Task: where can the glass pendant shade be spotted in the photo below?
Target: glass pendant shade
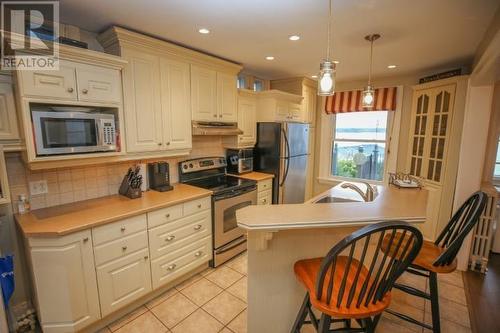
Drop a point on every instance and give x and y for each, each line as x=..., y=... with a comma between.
x=326, y=78
x=368, y=100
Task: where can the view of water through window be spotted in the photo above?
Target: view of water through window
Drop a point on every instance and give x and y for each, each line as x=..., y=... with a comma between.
x=359, y=143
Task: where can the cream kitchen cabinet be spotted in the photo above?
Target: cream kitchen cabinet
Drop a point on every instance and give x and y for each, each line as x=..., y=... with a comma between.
x=213, y=95
x=275, y=105
x=64, y=280
x=73, y=81
x=247, y=122
x=157, y=105
x=4, y=183
x=9, y=129
x=265, y=192
x=303, y=87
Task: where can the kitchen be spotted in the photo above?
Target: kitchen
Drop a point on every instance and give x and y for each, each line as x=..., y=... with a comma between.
x=170, y=174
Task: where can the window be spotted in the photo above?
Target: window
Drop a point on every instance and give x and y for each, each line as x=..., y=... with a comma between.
x=258, y=85
x=359, y=145
x=496, y=171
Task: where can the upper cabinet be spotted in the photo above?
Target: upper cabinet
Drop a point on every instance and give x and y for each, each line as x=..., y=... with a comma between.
x=99, y=85
x=8, y=119
x=4, y=185
x=247, y=111
x=227, y=97
x=276, y=105
x=305, y=112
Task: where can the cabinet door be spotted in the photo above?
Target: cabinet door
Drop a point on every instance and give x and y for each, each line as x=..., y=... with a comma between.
x=98, y=84
x=247, y=109
x=419, y=130
x=176, y=104
x=282, y=110
x=203, y=94
x=65, y=282
x=141, y=91
x=309, y=105
x=227, y=97
x=124, y=280
x=8, y=119
x=58, y=84
x=296, y=112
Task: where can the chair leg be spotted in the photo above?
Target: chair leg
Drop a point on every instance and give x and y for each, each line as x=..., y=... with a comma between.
x=301, y=316
x=436, y=326
x=324, y=323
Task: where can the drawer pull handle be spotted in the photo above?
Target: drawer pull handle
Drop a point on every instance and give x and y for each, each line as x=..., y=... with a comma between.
x=199, y=253
x=167, y=215
x=197, y=227
x=122, y=229
x=199, y=206
x=170, y=238
x=124, y=248
x=86, y=239
x=172, y=267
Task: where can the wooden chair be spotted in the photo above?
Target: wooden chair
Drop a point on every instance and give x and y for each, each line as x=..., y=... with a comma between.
x=440, y=256
x=354, y=280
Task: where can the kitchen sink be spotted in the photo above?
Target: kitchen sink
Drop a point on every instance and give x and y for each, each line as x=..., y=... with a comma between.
x=329, y=199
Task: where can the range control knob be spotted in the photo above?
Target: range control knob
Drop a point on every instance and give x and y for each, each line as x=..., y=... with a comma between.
x=185, y=166
x=191, y=165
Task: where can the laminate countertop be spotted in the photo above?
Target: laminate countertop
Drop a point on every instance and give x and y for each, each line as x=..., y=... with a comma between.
x=254, y=175
x=391, y=203
x=69, y=218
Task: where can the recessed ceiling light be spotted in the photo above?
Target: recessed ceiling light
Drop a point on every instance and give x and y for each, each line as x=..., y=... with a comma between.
x=336, y=62
x=294, y=37
x=204, y=31
x=269, y=58
x=314, y=76
x=392, y=66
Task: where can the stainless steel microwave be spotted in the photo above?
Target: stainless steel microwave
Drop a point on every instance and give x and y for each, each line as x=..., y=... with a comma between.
x=67, y=132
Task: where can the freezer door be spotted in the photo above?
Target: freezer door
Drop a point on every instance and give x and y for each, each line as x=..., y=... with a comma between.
x=294, y=187
x=298, y=138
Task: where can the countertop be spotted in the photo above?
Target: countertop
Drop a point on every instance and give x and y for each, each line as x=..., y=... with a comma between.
x=65, y=219
x=254, y=175
x=391, y=203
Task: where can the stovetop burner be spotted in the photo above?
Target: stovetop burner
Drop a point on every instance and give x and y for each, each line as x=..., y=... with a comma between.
x=222, y=183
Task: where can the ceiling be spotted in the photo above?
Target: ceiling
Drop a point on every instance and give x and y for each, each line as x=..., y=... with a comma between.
x=417, y=36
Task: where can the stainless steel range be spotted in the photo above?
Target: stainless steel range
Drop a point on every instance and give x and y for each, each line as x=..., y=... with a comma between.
x=229, y=194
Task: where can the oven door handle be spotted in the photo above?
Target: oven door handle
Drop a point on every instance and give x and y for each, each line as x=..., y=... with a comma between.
x=234, y=193
x=235, y=243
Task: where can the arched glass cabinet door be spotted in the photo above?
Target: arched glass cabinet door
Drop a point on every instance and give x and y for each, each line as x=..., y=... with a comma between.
x=418, y=133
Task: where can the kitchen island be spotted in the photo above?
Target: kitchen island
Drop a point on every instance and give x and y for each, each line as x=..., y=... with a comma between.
x=280, y=235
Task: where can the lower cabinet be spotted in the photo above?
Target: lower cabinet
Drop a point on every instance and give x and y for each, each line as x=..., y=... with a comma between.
x=123, y=280
x=265, y=192
x=64, y=282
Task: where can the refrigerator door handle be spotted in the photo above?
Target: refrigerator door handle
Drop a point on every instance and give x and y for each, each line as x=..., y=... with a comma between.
x=287, y=157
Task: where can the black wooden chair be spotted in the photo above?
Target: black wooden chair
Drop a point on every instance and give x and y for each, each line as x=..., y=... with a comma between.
x=354, y=280
x=440, y=256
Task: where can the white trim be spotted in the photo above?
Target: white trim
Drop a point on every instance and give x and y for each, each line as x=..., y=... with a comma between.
x=392, y=143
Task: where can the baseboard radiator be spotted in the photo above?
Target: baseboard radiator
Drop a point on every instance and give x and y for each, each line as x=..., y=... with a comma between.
x=482, y=236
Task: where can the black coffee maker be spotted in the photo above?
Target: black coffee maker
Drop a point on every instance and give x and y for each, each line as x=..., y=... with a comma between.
x=158, y=176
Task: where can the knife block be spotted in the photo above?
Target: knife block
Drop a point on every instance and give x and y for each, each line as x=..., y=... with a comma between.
x=128, y=191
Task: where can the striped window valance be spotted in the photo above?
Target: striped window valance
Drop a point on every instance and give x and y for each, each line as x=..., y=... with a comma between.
x=350, y=101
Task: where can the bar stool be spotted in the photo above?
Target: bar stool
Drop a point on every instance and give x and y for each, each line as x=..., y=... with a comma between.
x=354, y=281
x=440, y=257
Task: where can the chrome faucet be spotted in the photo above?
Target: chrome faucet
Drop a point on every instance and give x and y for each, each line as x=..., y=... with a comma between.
x=367, y=196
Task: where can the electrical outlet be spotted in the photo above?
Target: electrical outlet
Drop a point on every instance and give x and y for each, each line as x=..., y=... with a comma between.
x=38, y=187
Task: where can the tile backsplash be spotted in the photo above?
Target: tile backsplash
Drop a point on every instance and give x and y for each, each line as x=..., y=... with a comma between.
x=66, y=185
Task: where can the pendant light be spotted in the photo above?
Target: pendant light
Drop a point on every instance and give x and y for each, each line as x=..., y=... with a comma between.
x=368, y=99
x=326, y=76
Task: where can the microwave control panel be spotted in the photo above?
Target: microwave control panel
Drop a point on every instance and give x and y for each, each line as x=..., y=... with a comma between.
x=108, y=132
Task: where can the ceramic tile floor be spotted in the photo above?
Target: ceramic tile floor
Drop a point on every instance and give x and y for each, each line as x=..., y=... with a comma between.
x=215, y=301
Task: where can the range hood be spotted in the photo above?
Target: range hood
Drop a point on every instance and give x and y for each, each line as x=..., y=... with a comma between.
x=215, y=128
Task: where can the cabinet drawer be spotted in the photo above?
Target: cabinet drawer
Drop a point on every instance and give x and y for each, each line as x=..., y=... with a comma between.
x=172, y=236
x=124, y=280
x=265, y=197
x=264, y=185
x=164, y=215
x=118, y=229
x=196, y=206
x=180, y=262
x=120, y=247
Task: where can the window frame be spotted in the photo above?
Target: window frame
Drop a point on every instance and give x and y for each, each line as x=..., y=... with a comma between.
x=496, y=178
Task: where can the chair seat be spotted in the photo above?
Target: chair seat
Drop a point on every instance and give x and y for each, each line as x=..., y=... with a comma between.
x=307, y=271
x=426, y=257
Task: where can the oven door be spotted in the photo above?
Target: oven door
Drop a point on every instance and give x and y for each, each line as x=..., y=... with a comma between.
x=225, y=206
x=68, y=132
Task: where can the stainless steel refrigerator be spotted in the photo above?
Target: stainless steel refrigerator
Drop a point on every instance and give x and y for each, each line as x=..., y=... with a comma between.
x=282, y=150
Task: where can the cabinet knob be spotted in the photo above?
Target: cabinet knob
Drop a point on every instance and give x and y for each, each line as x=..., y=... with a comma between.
x=167, y=215
x=172, y=267
x=86, y=239
x=220, y=116
x=124, y=248
x=168, y=143
x=199, y=253
x=85, y=91
x=215, y=116
x=146, y=257
x=123, y=229
x=159, y=143
x=70, y=90
x=199, y=206
x=169, y=238
x=264, y=201
x=197, y=227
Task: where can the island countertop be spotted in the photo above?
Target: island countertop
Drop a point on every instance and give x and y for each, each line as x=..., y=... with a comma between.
x=65, y=219
x=391, y=203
